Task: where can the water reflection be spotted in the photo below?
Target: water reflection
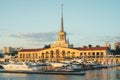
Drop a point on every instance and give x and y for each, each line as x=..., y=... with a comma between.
x=13, y=76
x=54, y=77
x=104, y=74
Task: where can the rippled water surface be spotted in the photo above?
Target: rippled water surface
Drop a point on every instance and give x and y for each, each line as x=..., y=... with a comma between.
x=103, y=74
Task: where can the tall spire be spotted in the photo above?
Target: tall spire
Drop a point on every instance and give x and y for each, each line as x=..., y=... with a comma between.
x=62, y=28
x=61, y=40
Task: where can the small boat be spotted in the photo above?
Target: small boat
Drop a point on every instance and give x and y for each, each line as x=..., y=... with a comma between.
x=19, y=66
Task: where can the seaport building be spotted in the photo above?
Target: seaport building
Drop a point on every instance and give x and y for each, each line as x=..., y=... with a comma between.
x=62, y=50
x=63, y=53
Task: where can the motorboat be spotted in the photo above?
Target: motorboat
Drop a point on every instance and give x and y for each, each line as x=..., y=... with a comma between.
x=19, y=66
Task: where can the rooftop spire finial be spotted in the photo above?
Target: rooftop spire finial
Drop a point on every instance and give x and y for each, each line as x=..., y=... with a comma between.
x=62, y=29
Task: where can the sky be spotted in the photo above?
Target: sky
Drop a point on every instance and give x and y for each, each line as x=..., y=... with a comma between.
x=35, y=23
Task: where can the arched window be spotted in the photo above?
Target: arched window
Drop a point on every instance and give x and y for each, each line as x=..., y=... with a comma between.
x=47, y=54
x=93, y=54
x=89, y=54
x=68, y=54
x=51, y=54
x=73, y=54
x=84, y=53
x=101, y=53
x=33, y=55
x=29, y=55
x=63, y=53
x=23, y=55
x=97, y=53
x=36, y=55
x=42, y=55
x=20, y=55
x=81, y=54
x=57, y=51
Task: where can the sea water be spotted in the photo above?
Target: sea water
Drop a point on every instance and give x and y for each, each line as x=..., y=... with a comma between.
x=102, y=74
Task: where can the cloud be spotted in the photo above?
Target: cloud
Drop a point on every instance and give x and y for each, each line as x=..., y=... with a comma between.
x=108, y=38
x=117, y=38
x=48, y=36
x=35, y=39
x=44, y=37
x=100, y=40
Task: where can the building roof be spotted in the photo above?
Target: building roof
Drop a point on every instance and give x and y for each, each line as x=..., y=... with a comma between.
x=30, y=50
x=92, y=48
x=79, y=48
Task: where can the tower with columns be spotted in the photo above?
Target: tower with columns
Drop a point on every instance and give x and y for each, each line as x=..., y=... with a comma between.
x=61, y=40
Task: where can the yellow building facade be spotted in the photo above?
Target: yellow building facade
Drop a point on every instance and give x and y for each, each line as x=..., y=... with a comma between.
x=57, y=54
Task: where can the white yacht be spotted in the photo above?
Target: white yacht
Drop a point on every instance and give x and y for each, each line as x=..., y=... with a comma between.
x=19, y=66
